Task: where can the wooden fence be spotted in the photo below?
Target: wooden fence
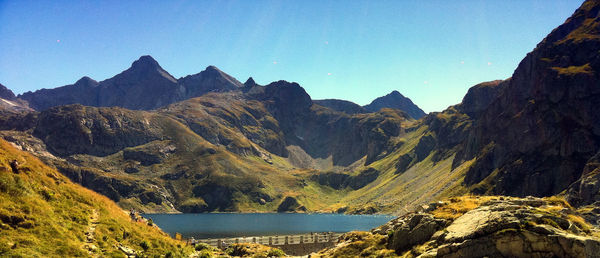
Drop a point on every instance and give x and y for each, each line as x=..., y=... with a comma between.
x=272, y=240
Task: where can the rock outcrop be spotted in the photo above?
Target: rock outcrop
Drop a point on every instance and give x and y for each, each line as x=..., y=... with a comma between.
x=482, y=227
x=290, y=204
x=341, y=180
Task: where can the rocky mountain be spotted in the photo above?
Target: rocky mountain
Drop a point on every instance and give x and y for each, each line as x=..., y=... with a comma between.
x=537, y=135
x=345, y=106
x=15, y=113
x=223, y=151
x=9, y=102
x=397, y=101
x=143, y=86
x=488, y=226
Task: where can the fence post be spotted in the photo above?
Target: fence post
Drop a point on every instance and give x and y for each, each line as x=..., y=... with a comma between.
x=270, y=240
x=301, y=239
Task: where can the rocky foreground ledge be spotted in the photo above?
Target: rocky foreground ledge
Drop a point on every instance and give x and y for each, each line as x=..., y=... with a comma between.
x=472, y=226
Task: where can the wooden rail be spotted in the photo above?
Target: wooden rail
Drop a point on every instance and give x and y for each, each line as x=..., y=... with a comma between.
x=272, y=240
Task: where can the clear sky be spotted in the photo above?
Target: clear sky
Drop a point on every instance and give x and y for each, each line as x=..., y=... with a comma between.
x=430, y=51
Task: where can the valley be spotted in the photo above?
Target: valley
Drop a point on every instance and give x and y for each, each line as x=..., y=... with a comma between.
x=511, y=170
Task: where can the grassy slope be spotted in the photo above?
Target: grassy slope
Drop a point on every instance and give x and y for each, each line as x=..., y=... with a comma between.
x=424, y=182
x=44, y=214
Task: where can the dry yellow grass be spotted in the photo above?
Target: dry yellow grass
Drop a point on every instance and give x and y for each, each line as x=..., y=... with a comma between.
x=457, y=206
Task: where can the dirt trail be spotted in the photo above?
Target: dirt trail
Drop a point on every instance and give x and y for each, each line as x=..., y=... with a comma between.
x=90, y=236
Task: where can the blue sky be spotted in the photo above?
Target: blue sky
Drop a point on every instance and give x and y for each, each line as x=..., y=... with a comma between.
x=430, y=51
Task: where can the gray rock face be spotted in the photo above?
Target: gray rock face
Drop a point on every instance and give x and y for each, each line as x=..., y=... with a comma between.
x=480, y=96
x=414, y=230
x=397, y=101
x=586, y=190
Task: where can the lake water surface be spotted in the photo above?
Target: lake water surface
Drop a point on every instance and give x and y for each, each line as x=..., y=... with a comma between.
x=216, y=225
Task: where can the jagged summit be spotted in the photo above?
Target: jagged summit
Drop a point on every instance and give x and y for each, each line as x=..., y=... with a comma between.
x=250, y=83
x=144, y=67
x=395, y=93
x=145, y=61
x=396, y=100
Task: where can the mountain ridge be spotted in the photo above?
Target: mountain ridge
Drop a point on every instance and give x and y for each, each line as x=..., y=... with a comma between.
x=145, y=85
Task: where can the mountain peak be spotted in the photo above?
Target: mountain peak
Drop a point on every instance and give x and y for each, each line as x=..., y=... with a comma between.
x=395, y=93
x=143, y=67
x=250, y=82
x=145, y=61
x=86, y=81
x=212, y=68
x=396, y=100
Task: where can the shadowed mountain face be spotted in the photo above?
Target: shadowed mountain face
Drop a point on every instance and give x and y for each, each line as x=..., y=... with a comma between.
x=144, y=86
x=345, y=106
x=538, y=133
x=7, y=94
x=15, y=114
x=397, y=101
